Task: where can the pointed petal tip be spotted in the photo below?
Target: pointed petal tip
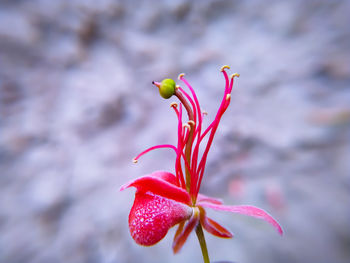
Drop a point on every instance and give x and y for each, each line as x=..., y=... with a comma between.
x=280, y=230
x=124, y=186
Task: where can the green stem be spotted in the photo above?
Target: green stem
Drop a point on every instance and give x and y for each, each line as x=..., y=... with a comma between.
x=201, y=239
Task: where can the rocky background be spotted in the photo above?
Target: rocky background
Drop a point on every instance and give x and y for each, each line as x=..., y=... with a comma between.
x=77, y=104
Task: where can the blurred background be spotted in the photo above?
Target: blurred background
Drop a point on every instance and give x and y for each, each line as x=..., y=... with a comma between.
x=77, y=104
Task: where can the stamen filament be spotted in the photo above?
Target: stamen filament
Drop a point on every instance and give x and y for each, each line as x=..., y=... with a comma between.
x=197, y=133
x=153, y=148
x=212, y=128
x=192, y=104
x=178, y=167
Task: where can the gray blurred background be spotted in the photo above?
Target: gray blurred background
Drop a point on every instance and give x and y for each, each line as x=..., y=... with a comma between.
x=77, y=104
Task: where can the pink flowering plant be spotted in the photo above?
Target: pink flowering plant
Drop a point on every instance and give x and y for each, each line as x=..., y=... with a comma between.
x=164, y=199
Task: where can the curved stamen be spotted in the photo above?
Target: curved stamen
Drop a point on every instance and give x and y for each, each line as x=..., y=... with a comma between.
x=196, y=133
x=173, y=104
x=180, y=146
x=213, y=127
x=181, y=75
x=153, y=148
x=224, y=67
x=191, y=102
x=186, y=125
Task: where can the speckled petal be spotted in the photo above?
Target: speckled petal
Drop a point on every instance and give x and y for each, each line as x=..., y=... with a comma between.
x=151, y=217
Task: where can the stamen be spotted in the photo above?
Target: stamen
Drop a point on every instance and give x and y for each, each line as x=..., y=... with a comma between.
x=181, y=75
x=213, y=127
x=153, y=148
x=224, y=67
x=235, y=75
x=187, y=126
x=192, y=103
x=204, y=112
x=178, y=167
x=197, y=131
x=191, y=122
x=177, y=87
x=173, y=105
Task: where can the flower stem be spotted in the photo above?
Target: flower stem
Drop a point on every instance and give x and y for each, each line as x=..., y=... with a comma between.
x=203, y=244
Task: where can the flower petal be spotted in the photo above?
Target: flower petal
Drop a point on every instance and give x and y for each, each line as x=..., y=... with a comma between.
x=159, y=186
x=212, y=226
x=204, y=198
x=181, y=237
x=166, y=176
x=246, y=210
x=151, y=216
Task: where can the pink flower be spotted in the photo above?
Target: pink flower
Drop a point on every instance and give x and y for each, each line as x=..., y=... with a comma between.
x=163, y=199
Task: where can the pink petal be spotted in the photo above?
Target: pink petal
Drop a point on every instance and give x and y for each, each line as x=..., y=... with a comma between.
x=204, y=198
x=151, y=216
x=158, y=186
x=166, y=176
x=246, y=210
x=181, y=237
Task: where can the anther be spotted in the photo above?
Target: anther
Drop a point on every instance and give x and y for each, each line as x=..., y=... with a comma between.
x=177, y=87
x=204, y=112
x=187, y=126
x=228, y=96
x=173, y=104
x=224, y=67
x=235, y=75
x=191, y=122
x=181, y=75
x=134, y=160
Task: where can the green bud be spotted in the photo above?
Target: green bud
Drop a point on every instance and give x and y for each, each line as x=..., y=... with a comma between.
x=167, y=88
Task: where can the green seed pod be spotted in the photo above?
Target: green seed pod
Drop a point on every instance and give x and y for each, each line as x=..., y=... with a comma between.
x=167, y=88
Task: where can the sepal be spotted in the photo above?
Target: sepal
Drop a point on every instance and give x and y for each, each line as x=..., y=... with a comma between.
x=184, y=231
x=212, y=226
